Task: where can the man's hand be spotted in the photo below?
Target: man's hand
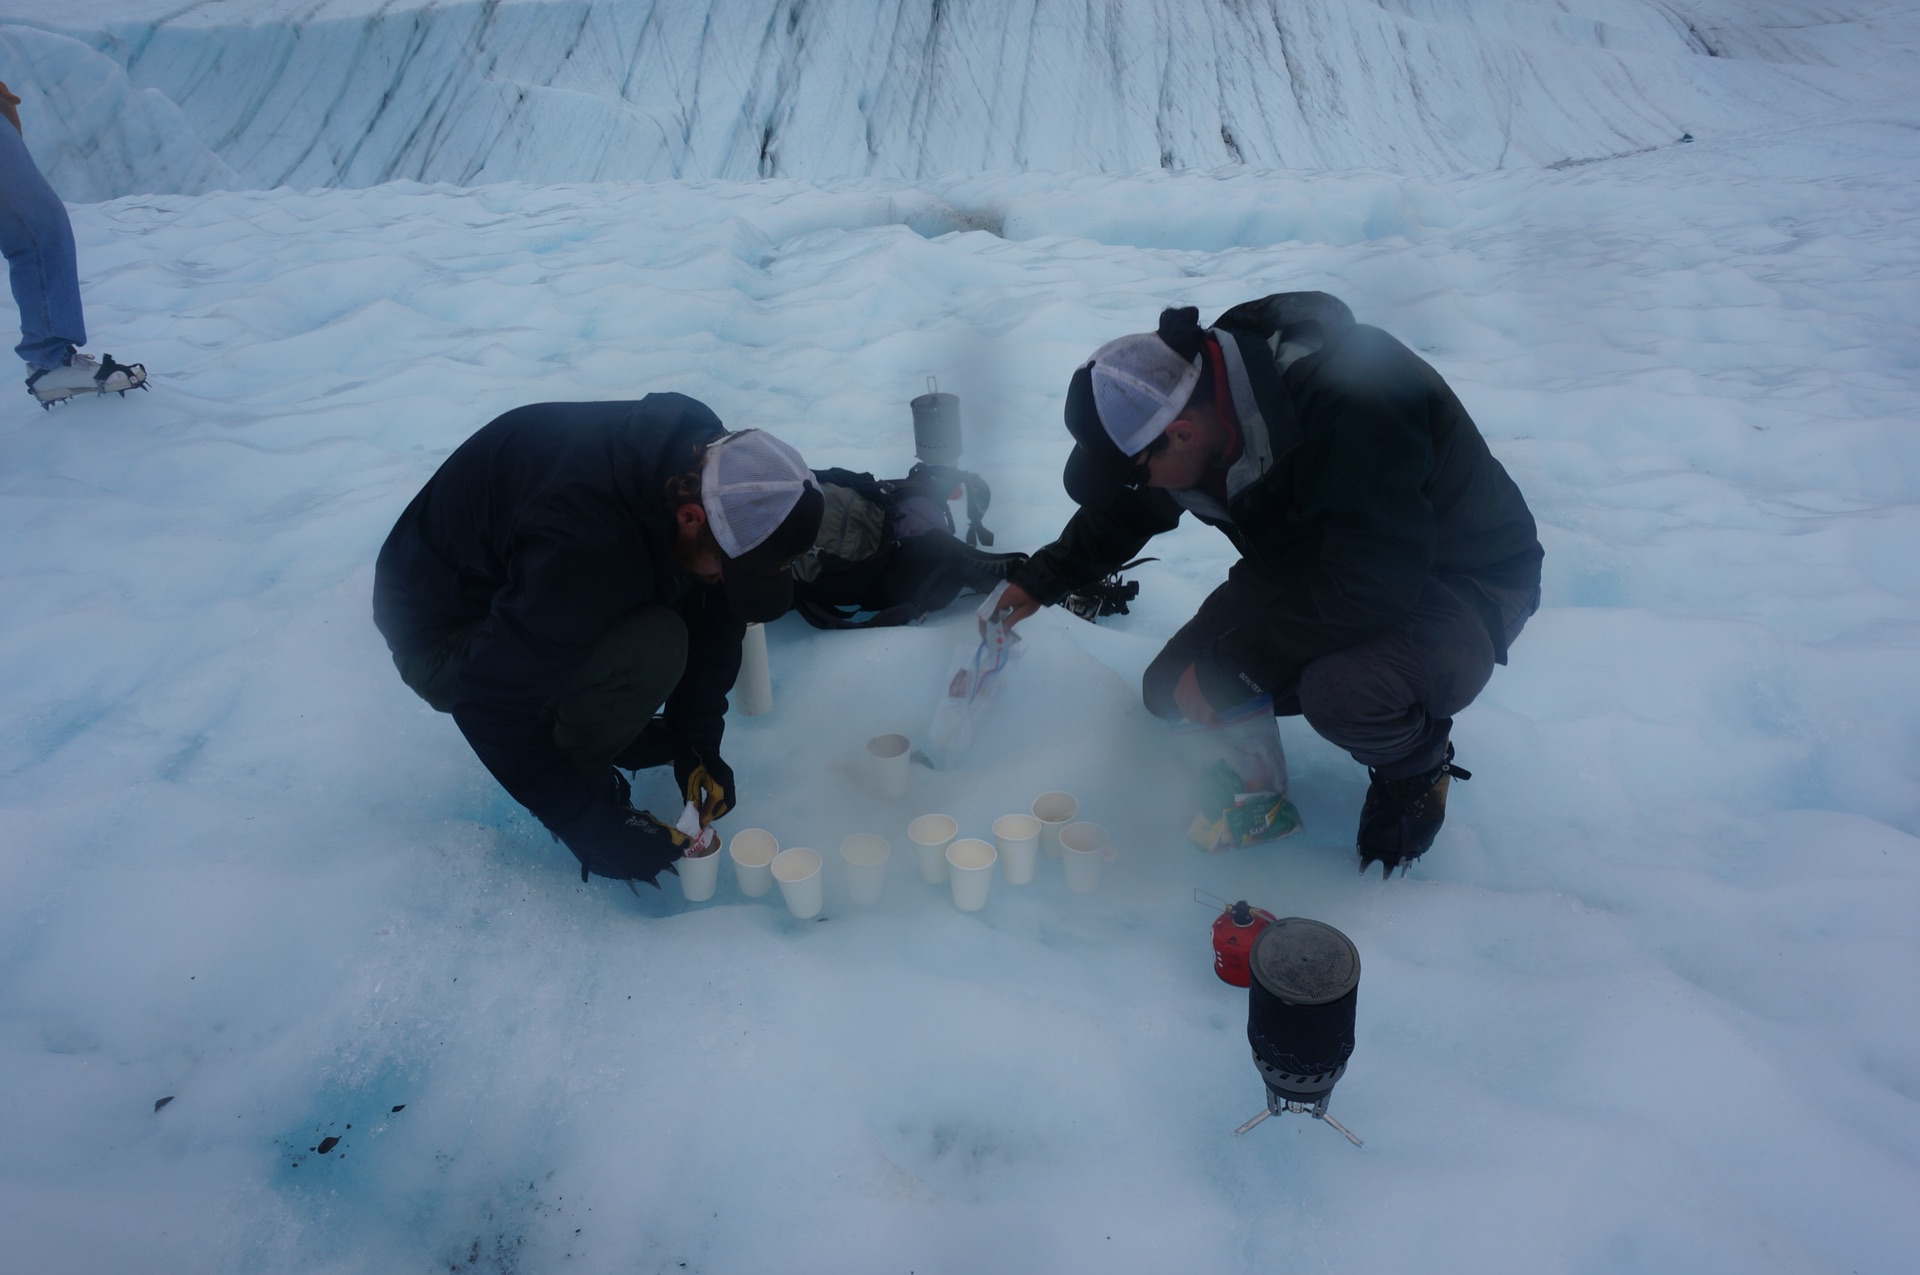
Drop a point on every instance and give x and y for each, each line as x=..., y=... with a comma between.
x=1191, y=701
x=1016, y=604
x=630, y=845
x=705, y=781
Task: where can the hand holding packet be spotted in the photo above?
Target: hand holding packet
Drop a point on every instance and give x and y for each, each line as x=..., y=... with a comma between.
x=1239, y=792
x=972, y=682
x=701, y=840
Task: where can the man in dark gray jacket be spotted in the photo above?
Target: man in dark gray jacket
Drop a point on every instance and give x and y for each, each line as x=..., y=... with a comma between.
x=1387, y=560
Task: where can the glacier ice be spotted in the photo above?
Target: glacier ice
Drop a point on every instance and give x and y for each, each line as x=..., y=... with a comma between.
x=352, y=93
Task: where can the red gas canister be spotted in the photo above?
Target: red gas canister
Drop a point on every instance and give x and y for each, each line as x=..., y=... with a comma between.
x=1234, y=931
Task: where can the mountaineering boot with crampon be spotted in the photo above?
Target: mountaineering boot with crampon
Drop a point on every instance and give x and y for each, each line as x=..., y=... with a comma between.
x=1401, y=817
x=84, y=375
x=981, y=571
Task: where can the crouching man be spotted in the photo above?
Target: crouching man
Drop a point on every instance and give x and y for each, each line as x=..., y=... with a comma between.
x=1387, y=560
x=573, y=585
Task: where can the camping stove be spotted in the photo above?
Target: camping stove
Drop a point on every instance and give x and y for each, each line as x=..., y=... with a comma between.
x=1300, y=1010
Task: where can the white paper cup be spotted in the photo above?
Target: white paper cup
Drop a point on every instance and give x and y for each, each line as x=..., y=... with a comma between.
x=866, y=859
x=699, y=875
x=970, y=869
x=752, y=851
x=931, y=835
x=1017, y=838
x=1084, y=847
x=753, y=688
x=798, y=872
x=1055, y=810
x=888, y=757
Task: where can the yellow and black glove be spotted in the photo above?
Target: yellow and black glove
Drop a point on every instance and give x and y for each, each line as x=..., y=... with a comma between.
x=706, y=781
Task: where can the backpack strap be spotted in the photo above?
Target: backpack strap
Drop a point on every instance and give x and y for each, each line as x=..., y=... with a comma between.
x=864, y=483
x=942, y=479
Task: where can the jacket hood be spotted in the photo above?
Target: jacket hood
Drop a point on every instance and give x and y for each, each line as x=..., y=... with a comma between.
x=1318, y=318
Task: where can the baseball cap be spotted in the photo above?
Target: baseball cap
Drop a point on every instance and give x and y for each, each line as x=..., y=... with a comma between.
x=1124, y=397
x=764, y=509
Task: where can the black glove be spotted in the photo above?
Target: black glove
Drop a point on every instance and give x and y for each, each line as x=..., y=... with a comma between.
x=623, y=844
x=706, y=781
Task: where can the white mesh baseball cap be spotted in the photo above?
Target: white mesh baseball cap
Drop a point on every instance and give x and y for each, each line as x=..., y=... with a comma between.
x=1139, y=385
x=1124, y=397
x=764, y=509
x=749, y=482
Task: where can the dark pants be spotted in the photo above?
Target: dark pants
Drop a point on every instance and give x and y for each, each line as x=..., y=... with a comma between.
x=1389, y=701
x=609, y=699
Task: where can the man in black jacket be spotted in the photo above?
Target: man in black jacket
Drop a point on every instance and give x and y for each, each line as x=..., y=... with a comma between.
x=1387, y=560
x=573, y=585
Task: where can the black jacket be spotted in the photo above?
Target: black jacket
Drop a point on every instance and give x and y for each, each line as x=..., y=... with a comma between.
x=1362, y=476
x=543, y=528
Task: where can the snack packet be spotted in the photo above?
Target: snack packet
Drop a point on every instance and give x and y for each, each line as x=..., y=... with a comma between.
x=1239, y=792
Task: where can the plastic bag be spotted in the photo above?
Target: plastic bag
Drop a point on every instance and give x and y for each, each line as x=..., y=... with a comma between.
x=972, y=684
x=1240, y=785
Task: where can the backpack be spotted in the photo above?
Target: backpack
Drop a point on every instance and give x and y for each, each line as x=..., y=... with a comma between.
x=888, y=548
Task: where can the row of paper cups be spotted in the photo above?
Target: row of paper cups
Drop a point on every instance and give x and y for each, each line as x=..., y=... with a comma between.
x=964, y=864
x=759, y=864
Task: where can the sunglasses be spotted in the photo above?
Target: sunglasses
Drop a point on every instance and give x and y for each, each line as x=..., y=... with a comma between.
x=1139, y=471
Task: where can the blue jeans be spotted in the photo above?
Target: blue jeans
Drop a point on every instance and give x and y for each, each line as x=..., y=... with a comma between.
x=38, y=241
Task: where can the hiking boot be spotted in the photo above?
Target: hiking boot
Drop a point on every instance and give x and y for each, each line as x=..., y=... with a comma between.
x=84, y=375
x=982, y=572
x=1105, y=597
x=1401, y=817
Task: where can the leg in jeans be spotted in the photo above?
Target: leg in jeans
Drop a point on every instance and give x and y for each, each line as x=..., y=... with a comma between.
x=38, y=241
x=633, y=668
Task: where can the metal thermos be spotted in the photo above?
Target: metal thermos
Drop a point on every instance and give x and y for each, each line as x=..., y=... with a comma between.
x=936, y=426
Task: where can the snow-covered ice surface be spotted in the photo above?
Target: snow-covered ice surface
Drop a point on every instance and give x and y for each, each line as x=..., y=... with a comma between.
x=1648, y=1005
